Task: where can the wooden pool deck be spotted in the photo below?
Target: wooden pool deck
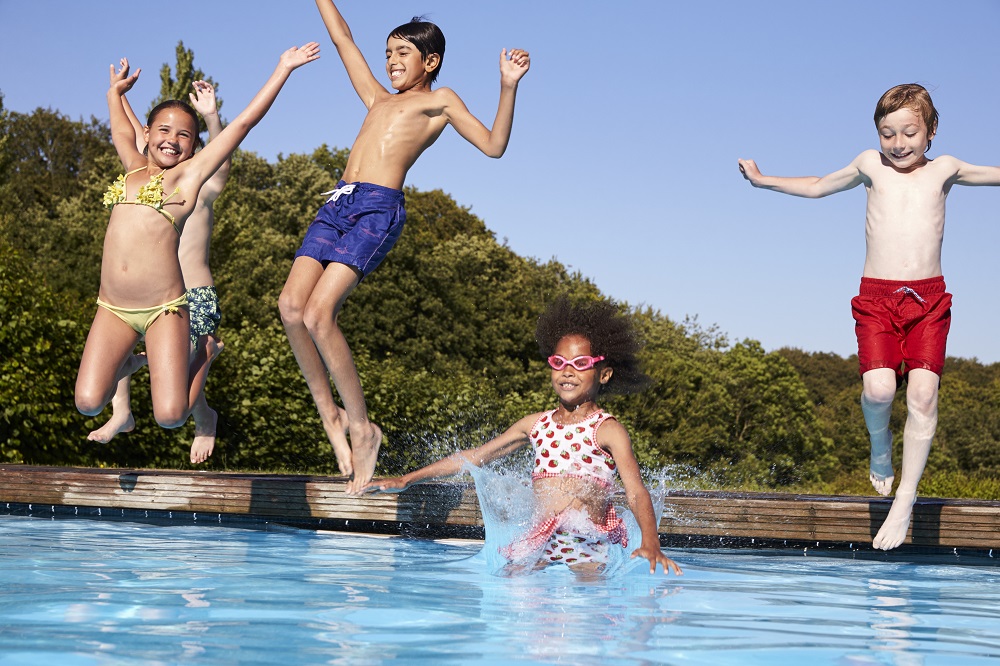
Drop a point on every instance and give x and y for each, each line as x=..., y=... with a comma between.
x=691, y=518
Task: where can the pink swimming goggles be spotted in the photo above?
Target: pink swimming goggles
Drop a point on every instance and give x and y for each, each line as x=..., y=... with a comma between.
x=557, y=362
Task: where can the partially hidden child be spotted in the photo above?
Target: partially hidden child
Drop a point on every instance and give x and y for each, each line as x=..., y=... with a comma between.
x=203, y=300
x=142, y=293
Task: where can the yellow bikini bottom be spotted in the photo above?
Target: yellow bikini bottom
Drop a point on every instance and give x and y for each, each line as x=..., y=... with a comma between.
x=140, y=319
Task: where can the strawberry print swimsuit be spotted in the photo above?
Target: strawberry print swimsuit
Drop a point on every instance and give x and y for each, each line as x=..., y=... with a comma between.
x=571, y=450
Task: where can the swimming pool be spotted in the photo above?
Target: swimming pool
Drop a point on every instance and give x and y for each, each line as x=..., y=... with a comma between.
x=81, y=591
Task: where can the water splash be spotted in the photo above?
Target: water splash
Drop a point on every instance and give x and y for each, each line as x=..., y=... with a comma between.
x=507, y=502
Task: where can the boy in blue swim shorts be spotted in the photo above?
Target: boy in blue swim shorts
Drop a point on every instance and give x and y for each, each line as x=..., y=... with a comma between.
x=364, y=217
x=357, y=226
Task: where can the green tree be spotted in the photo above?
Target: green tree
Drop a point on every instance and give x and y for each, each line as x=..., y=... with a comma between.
x=39, y=338
x=177, y=84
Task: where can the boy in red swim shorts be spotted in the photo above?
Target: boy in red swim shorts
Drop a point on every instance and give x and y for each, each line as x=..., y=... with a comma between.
x=903, y=311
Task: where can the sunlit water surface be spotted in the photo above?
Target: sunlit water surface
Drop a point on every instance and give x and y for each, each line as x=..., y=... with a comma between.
x=80, y=591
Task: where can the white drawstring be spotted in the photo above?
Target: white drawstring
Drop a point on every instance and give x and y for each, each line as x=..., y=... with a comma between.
x=339, y=192
x=911, y=292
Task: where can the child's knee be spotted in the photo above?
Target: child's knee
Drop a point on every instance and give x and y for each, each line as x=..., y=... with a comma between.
x=172, y=415
x=921, y=399
x=878, y=393
x=291, y=309
x=89, y=403
x=318, y=319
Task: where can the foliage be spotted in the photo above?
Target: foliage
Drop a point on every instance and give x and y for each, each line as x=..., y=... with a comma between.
x=180, y=87
x=442, y=335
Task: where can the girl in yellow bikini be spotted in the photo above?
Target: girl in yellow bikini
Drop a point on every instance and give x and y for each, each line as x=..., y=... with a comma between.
x=142, y=293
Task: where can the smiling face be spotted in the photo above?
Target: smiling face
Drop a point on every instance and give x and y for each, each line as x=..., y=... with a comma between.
x=406, y=67
x=171, y=137
x=904, y=138
x=577, y=387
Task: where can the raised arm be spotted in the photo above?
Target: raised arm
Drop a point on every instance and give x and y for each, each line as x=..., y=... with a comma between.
x=123, y=133
x=505, y=444
x=493, y=142
x=132, y=118
x=201, y=167
x=203, y=101
x=364, y=82
x=811, y=187
x=613, y=436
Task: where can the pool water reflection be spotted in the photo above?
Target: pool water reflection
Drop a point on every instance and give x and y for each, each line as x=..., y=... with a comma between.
x=80, y=591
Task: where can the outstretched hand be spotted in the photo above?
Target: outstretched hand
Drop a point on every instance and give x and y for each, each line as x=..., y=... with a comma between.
x=203, y=98
x=121, y=82
x=749, y=170
x=392, y=484
x=656, y=556
x=300, y=55
x=514, y=65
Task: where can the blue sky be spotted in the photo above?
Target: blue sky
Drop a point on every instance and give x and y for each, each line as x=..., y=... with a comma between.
x=622, y=162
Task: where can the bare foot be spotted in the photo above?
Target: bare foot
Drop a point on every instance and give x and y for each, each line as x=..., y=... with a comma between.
x=893, y=530
x=121, y=407
x=213, y=347
x=880, y=464
x=204, y=435
x=364, y=454
x=336, y=432
x=118, y=423
x=206, y=419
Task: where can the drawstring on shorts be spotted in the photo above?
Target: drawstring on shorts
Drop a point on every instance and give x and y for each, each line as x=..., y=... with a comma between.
x=336, y=193
x=909, y=291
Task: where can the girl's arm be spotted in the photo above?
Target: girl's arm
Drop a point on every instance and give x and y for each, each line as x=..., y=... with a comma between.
x=123, y=133
x=507, y=443
x=203, y=101
x=493, y=142
x=132, y=118
x=811, y=187
x=613, y=437
x=364, y=82
x=200, y=168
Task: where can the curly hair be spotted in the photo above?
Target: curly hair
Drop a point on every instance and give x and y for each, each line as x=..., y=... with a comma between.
x=611, y=334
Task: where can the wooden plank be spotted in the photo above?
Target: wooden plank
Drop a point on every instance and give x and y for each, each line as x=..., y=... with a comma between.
x=773, y=517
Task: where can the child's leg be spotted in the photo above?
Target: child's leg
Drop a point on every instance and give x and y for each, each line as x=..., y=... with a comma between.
x=876, y=405
x=921, y=422
x=121, y=407
x=107, y=358
x=205, y=418
x=322, y=310
x=302, y=279
x=173, y=385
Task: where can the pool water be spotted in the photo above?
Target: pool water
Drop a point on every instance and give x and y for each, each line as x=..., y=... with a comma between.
x=81, y=591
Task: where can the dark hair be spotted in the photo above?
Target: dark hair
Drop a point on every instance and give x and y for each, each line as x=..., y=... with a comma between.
x=611, y=334
x=911, y=96
x=426, y=37
x=183, y=106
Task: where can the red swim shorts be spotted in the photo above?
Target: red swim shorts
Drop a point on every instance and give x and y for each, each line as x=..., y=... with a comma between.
x=902, y=325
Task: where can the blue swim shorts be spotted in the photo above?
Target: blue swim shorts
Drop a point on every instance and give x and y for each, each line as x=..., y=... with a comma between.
x=357, y=226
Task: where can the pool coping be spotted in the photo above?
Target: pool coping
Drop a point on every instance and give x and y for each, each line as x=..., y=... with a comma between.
x=704, y=519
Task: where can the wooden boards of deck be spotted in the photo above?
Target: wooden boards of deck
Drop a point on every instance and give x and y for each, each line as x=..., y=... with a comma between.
x=704, y=518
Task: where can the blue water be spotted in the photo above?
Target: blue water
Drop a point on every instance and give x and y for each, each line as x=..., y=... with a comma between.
x=80, y=591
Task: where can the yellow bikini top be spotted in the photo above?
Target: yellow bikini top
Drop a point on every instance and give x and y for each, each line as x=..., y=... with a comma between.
x=150, y=194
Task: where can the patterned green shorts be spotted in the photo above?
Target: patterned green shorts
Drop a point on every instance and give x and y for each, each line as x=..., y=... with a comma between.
x=203, y=304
